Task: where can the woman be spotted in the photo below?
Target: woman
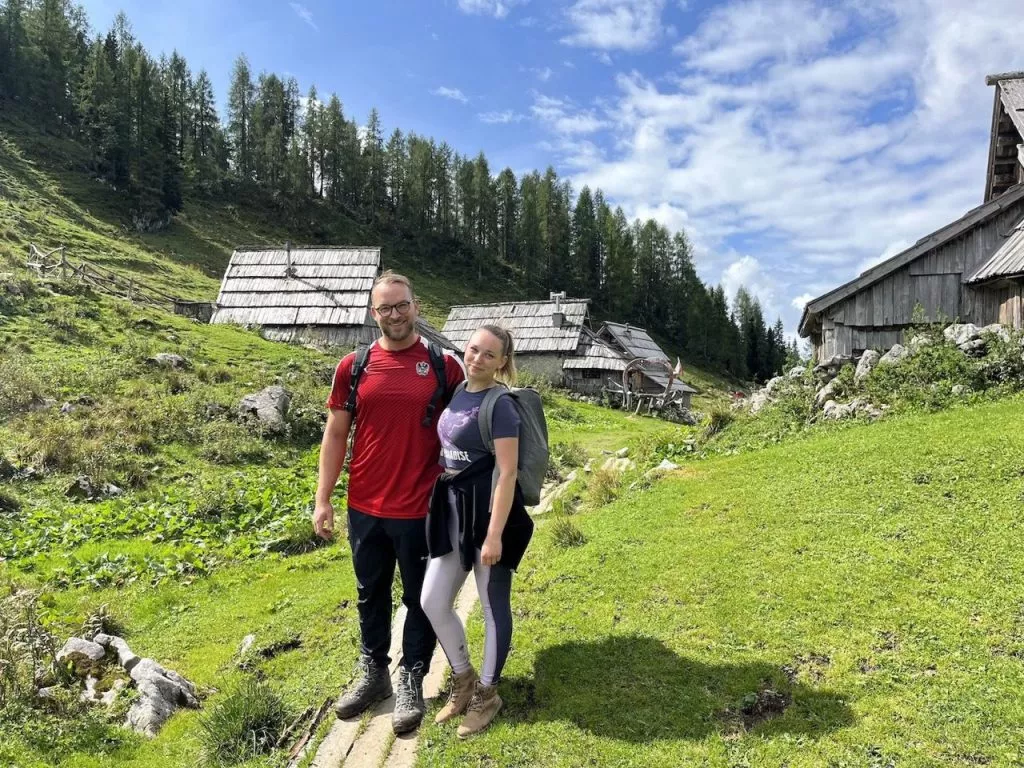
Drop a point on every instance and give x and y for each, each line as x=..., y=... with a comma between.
x=477, y=522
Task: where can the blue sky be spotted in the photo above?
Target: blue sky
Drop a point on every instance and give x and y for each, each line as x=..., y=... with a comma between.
x=797, y=142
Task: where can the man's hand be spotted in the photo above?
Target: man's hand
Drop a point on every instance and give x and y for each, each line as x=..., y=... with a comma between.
x=323, y=520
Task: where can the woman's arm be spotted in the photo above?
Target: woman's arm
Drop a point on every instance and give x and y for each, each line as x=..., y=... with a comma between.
x=506, y=454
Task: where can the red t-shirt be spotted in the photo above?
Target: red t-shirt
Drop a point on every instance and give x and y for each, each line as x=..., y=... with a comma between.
x=395, y=459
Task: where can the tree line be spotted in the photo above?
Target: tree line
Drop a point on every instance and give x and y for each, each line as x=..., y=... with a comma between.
x=152, y=130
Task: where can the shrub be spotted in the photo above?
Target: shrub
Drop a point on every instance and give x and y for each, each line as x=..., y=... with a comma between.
x=718, y=419
x=925, y=379
x=28, y=652
x=20, y=385
x=228, y=442
x=570, y=453
x=9, y=503
x=603, y=487
x=566, y=534
x=244, y=724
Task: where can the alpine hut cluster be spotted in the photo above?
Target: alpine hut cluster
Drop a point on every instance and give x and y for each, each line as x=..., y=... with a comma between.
x=971, y=269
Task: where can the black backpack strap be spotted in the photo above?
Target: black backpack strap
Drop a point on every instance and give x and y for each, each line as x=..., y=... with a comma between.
x=358, y=366
x=440, y=395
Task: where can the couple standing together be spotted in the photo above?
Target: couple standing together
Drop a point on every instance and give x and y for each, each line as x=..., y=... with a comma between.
x=436, y=520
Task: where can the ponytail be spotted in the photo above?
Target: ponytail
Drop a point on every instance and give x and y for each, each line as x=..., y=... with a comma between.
x=507, y=373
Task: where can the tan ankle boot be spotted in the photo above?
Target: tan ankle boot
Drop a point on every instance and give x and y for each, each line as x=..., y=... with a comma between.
x=462, y=691
x=484, y=705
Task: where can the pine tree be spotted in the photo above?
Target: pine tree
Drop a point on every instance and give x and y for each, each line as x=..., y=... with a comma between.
x=507, y=216
x=530, y=239
x=395, y=161
x=586, y=258
x=373, y=162
x=240, y=119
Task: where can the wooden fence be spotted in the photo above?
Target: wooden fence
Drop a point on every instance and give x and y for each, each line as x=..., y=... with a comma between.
x=55, y=263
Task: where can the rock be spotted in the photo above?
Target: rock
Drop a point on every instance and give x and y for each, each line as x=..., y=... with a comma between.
x=867, y=364
x=774, y=384
x=270, y=406
x=689, y=418
x=125, y=657
x=215, y=411
x=919, y=342
x=247, y=643
x=81, y=488
x=622, y=453
x=618, y=465
x=826, y=393
x=758, y=401
x=111, y=491
x=40, y=404
x=829, y=369
x=836, y=411
x=108, y=697
x=667, y=466
x=960, y=390
x=170, y=360
x=161, y=692
x=796, y=373
x=974, y=347
x=588, y=467
x=961, y=333
x=894, y=355
x=77, y=648
x=997, y=330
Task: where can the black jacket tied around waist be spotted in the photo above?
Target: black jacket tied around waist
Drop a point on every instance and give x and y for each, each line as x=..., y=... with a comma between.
x=472, y=491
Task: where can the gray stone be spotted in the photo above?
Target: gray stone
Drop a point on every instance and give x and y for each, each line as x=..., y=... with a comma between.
x=758, y=401
x=897, y=353
x=961, y=333
x=622, y=453
x=796, y=373
x=826, y=393
x=667, y=466
x=774, y=384
x=618, y=465
x=974, y=347
x=161, y=692
x=960, y=390
x=829, y=369
x=125, y=657
x=920, y=342
x=170, y=360
x=76, y=648
x=269, y=406
x=997, y=330
x=836, y=411
x=588, y=467
x=867, y=363
x=83, y=488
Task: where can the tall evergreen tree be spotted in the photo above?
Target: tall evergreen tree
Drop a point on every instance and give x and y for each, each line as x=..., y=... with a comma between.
x=240, y=119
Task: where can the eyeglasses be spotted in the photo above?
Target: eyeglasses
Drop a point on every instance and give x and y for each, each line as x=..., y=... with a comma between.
x=385, y=310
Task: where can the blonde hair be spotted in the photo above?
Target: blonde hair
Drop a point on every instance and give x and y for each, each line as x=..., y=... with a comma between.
x=387, y=277
x=507, y=373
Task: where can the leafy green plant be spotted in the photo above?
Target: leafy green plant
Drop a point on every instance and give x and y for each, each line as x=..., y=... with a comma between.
x=566, y=534
x=603, y=487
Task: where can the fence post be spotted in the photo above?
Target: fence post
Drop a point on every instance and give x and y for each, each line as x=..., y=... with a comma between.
x=63, y=264
x=131, y=282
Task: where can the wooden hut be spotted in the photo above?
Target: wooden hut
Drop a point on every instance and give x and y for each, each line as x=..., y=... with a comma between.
x=317, y=295
x=634, y=343
x=546, y=333
x=971, y=270
x=595, y=368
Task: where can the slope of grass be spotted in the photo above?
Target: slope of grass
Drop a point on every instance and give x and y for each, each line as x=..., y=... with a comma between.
x=850, y=599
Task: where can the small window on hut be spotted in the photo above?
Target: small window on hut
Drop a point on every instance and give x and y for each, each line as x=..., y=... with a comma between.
x=590, y=373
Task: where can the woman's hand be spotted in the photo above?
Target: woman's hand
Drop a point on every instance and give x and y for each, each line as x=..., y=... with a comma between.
x=490, y=554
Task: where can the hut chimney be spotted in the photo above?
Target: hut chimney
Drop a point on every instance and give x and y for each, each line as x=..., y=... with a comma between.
x=558, y=316
x=289, y=270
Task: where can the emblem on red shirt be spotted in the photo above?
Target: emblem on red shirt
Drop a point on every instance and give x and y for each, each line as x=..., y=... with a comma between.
x=422, y=368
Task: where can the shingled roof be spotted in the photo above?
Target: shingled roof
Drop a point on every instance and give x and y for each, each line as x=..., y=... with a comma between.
x=595, y=354
x=299, y=286
x=636, y=342
x=531, y=324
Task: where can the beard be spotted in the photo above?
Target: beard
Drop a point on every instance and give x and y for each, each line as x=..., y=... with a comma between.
x=398, y=332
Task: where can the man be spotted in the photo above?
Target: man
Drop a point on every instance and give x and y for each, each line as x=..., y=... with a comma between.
x=392, y=471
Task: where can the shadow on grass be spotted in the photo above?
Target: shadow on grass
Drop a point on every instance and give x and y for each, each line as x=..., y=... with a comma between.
x=636, y=689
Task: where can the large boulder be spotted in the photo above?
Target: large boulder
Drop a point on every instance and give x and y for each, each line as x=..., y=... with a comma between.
x=867, y=363
x=774, y=384
x=897, y=353
x=836, y=411
x=125, y=657
x=758, y=401
x=962, y=333
x=998, y=331
x=269, y=407
x=796, y=372
x=829, y=369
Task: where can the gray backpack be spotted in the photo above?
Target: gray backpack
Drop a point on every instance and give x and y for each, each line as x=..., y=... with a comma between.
x=533, y=436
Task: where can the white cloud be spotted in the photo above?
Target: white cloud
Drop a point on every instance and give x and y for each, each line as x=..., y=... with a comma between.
x=305, y=14
x=604, y=58
x=747, y=272
x=497, y=8
x=451, y=93
x=802, y=301
x=815, y=138
x=631, y=25
x=543, y=74
x=506, y=116
x=568, y=64
x=563, y=118
x=528, y=22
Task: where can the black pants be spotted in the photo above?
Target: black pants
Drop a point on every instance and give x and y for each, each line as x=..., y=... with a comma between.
x=377, y=544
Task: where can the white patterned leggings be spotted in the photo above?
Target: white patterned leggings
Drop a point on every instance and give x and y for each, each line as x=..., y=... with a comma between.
x=442, y=583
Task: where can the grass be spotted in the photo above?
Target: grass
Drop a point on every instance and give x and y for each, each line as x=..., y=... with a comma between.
x=851, y=599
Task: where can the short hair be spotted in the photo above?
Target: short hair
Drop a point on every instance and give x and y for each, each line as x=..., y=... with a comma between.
x=387, y=277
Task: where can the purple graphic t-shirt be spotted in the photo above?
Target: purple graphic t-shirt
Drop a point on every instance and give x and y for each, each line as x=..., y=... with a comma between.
x=459, y=429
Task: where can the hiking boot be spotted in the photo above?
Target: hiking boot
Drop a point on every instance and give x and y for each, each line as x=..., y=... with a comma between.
x=409, y=706
x=462, y=691
x=482, y=708
x=372, y=687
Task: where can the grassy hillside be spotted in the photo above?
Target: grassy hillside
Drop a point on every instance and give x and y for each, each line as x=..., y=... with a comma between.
x=850, y=599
